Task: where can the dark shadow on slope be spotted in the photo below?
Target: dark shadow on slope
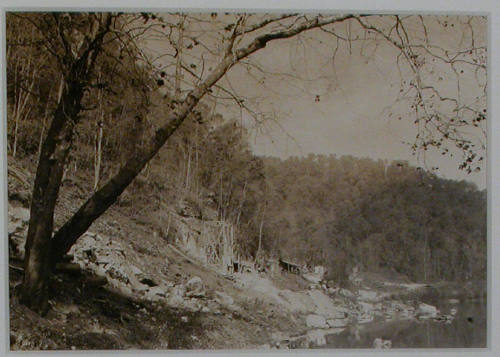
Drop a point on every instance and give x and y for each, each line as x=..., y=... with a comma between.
x=88, y=317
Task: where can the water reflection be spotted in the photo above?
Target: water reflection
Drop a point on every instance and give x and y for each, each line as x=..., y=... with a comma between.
x=468, y=329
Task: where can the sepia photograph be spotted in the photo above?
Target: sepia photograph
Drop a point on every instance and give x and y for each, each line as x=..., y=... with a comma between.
x=270, y=180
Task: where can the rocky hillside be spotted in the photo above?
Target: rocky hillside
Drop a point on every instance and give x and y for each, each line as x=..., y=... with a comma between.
x=125, y=286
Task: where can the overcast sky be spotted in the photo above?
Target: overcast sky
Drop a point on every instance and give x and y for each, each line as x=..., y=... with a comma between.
x=357, y=95
x=324, y=96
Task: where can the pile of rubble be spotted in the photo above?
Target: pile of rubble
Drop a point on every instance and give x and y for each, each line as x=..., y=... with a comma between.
x=109, y=259
x=117, y=266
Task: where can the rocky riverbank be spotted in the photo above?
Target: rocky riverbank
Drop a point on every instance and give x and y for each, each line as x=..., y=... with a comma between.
x=281, y=310
x=126, y=286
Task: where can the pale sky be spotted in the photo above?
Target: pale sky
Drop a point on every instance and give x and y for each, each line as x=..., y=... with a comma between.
x=357, y=113
x=352, y=117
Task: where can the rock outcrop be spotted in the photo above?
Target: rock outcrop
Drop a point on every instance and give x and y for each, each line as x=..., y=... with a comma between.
x=17, y=230
x=426, y=311
x=316, y=321
x=195, y=288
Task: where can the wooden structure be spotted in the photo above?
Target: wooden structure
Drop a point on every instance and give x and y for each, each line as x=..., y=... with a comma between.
x=289, y=267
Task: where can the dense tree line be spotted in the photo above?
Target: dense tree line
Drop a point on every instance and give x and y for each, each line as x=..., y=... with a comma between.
x=346, y=212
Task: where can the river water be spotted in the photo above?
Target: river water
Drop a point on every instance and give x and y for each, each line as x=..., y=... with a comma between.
x=468, y=329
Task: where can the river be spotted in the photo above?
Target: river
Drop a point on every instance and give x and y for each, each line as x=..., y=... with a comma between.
x=468, y=329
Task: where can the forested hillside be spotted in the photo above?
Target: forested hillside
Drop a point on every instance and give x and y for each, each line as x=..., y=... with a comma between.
x=338, y=212
x=346, y=212
x=101, y=122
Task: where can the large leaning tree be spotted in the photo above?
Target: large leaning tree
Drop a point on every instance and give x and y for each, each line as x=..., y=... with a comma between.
x=184, y=58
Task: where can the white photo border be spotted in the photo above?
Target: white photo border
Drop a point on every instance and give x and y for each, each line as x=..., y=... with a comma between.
x=490, y=8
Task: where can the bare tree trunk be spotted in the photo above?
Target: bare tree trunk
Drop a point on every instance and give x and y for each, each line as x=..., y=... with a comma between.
x=44, y=119
x=98, y=155
x=40, y=142
x=261, y=227
x=220, y=205
x=168, y=226
x=22, y=101
x=98, y=140
x=53, y=157
x=14, y=111
x=49, y=174
x=195, y=173
x=26, y=66
x=188, y=169
x=425, y=257
x=241, y=204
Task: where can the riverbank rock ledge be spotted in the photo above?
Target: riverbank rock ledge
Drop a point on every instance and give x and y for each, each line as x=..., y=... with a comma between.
x=316, y=321
x=337, y=322
x=426, y=311
x=368, y=296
